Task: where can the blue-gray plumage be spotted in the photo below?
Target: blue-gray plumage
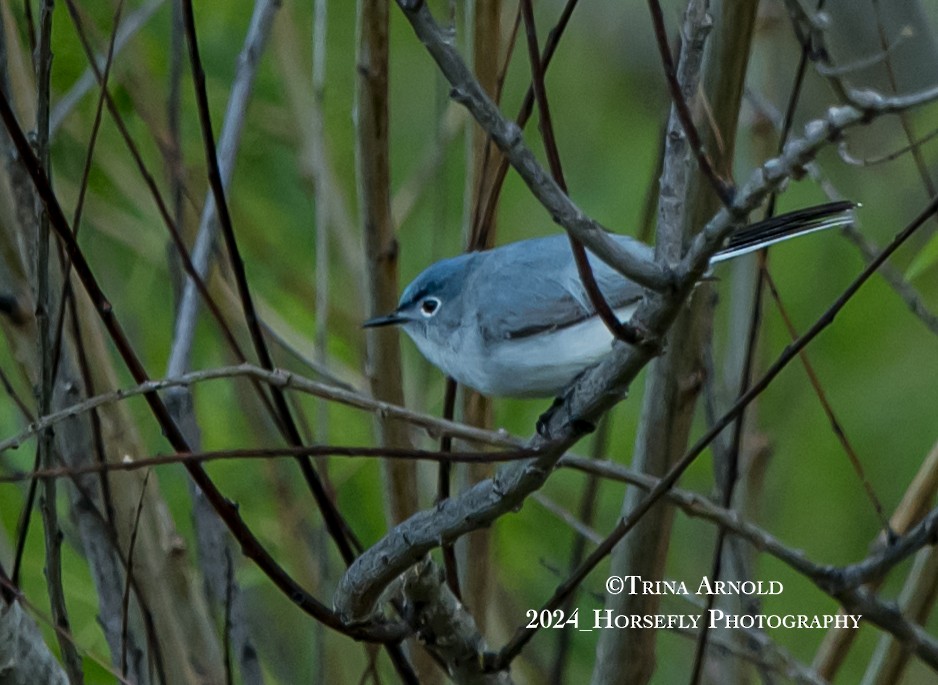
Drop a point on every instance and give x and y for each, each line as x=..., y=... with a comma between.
x=516, y=320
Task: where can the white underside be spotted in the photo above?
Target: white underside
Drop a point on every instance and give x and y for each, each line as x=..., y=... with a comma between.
x=535, y=366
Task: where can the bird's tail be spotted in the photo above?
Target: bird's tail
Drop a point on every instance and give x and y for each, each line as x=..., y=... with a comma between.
x=785, y=226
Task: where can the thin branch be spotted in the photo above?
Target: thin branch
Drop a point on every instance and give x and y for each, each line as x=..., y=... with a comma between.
x=129, y=28
x=836, y=426
x=152, y=187
x=603, y=385
x=211, y=539
x=129, y=582
x=600, y=305
x=229, y=141
x=723, y=188
x=45, y=308
x=667, y=407
x=263, y=453
x=66, y=297
x=373, y=179
x=841, y=583
x=627, y=523
x=286, y=380
x=338, y=528
x=586, y=515
x=909, y=295
x=487, y=214
x=635, y=262
x=906, y=291
x=322, y=216
x=250, y=544
x=728, y=466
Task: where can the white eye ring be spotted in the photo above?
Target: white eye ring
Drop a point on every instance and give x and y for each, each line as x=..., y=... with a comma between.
x=430, y=306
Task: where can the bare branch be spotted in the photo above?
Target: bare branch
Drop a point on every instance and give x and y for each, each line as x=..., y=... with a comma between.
x=373, y=172
x=635, y=262
x=228, y=145
x=447, y=629
x=135, y=21
x=250, y=544
x=670, y=390
x=603, y=385
x=286, y=380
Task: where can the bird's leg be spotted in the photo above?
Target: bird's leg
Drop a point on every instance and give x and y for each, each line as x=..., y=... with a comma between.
x=580, y=426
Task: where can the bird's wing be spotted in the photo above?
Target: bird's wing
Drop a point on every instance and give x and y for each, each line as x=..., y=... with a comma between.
x=533, y=286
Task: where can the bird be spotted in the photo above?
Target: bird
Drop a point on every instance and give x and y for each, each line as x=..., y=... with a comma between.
x=516, y=321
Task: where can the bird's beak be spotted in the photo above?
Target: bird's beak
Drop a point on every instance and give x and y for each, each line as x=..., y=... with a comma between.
x=391, y=319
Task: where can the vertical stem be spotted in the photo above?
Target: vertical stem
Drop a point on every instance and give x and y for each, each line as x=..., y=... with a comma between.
x=321, y=220
x=174, y=114
x=673, y=379
x=372, y=157
x=372, y=166
x=53, y=537
x=322, y=205
x=482, y=163
x=724, y=79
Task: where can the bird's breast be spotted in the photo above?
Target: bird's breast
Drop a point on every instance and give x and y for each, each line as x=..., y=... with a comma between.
x=537, y=365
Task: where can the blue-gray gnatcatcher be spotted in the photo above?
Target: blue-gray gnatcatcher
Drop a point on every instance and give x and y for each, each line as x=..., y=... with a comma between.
x=516, y=321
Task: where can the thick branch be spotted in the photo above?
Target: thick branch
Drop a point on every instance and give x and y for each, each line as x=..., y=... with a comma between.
x=603, y=385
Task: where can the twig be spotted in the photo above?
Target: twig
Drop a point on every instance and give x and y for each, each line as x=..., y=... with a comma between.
x=905, y=290
x=836, y=426
x=250, y=453
x=129, y=582
x=727, y=467
x=338, y=528
x=723, y=188
x=841, y=583
x=228, y=147
x=66, y=297
x=586, y=515
x=634, y=261
x=601, y=386
x=211, y=539
x=486, y=216
x=322, y=222
x=322, y=216
x=443, y=489
x=251, y=546
x=434, y=426
x=668, y=403
x=373, y=178
x=45, y=308
x=583, y=531
x=129, y=28
x=627, y=523
x=921, y=164
x=152, y=187
x=867, y=248
x=619, y=329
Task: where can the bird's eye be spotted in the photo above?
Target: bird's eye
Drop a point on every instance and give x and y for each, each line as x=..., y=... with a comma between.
x=429, y=306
